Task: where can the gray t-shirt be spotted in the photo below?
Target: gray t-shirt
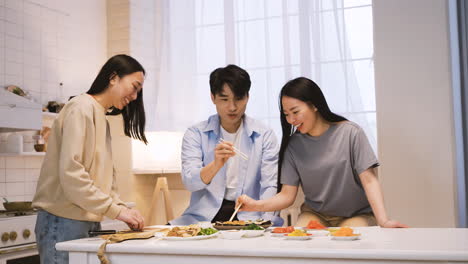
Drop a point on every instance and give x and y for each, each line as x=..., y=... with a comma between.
x=328, y=168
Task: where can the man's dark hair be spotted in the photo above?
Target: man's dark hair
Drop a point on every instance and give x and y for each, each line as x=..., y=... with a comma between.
x=234, y=76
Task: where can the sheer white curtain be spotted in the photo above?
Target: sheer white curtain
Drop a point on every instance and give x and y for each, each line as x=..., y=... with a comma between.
x=329, y=41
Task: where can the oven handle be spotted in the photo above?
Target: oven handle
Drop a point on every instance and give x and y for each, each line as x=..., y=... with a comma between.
x=18, y=248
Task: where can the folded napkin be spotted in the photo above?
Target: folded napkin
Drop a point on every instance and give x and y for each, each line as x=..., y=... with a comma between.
x=125, y=235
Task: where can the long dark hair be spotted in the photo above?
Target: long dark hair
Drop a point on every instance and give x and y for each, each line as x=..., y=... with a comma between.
x=133, y=113
x=310, y=93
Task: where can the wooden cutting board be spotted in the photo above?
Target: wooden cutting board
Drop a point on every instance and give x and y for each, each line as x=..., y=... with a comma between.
x=125, y=235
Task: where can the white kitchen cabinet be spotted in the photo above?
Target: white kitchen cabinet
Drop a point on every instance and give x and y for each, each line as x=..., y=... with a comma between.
x=18, y=113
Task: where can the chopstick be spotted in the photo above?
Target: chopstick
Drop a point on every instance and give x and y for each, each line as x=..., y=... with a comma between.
x=293, y=130
x=237, y=151
x=101, y=232
x=235, y=212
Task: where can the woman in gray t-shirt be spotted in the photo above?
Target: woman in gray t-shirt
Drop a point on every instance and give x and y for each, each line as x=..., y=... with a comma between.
x=330, y=158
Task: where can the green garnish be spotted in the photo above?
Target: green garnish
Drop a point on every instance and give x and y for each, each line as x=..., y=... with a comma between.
x=207, y=231
x=253, y=227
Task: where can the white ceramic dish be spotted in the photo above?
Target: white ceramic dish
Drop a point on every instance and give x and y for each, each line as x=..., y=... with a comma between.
x=332, y=229
x=271, y=228
x=278, y=234
x=345, y=238
x=232, y=234
x=297, y=237
x=190, y=238
x=253, y=233
x=318, y=232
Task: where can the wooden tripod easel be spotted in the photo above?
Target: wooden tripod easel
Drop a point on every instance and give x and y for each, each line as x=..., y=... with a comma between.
x=161, y=185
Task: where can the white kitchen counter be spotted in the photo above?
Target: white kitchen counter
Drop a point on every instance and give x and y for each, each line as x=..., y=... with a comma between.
x=377, y=245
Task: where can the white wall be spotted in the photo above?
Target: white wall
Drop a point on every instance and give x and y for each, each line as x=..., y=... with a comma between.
x=88, y=43
x=414, y=111
x=47, y=42
x=18, y=177
x=43, y=43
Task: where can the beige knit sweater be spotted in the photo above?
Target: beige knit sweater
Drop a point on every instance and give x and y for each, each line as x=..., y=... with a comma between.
x=77, y=176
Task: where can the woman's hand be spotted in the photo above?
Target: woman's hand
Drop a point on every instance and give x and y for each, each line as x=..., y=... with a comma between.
x=281, y=200
x=223, y=151
x=393, y=224
x=248, y=204
x=374, y=195
x=132, y=218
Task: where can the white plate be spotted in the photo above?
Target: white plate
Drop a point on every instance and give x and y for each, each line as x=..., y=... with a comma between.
x=318, y=232
x=190, y=238
x=273, y=227
x=232, y=234
x=278, y=234
x=345, y=238
x=253, y=233
x=297, y=237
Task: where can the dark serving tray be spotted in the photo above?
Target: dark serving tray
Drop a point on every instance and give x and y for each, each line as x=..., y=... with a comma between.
x=221, y=226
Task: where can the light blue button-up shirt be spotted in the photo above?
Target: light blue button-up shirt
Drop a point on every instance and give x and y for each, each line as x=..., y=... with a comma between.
x=257, y=177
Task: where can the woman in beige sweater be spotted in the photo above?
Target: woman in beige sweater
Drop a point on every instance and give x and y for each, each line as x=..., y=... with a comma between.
x=76, y=187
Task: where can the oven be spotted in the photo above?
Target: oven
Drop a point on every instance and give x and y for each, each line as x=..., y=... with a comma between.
x=17, y=238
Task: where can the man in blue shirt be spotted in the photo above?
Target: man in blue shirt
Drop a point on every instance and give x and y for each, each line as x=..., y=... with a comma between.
x=212, y=170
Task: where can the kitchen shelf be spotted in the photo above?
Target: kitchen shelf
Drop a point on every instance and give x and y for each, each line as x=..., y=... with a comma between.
x=22, y=154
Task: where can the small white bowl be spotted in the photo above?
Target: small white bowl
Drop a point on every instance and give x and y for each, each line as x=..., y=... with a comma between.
x=232, y=234
x=253, y=233
x=346, y=238
x=318, y=232
x=297, y=237
x=278, y=234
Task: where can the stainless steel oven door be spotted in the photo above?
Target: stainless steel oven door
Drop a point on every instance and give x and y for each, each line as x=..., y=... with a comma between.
x=24, y=254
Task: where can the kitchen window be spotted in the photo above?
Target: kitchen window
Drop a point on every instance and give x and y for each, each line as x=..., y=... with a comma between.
x=329, y=41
